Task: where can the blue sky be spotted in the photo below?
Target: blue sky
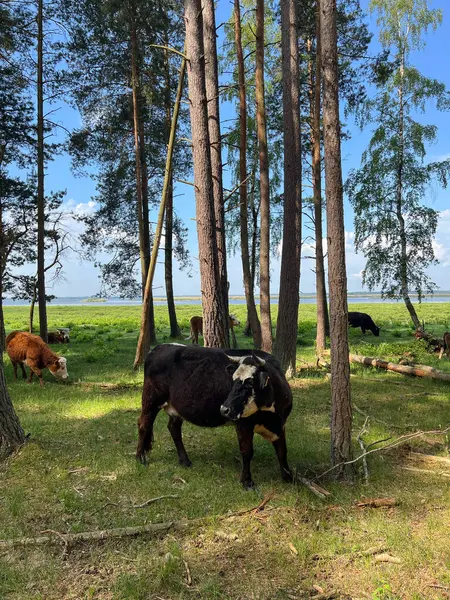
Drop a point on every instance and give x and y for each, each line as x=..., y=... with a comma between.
x=82, y=277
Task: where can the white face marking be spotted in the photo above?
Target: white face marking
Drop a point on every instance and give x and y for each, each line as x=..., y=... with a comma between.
x=62, y=371
x=265, y=433
x=270, y=408
x=244, y=372
x=175, y=343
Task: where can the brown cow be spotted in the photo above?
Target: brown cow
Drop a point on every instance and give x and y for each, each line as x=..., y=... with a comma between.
x=197, y=327
x=27, y=349
x=446, y=345
x=60, y=336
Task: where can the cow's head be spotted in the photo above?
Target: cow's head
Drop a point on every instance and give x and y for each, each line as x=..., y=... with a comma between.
x=376, y=331
x=234, y=321
x=63, y=336
x=251, y=389
x=59, y=368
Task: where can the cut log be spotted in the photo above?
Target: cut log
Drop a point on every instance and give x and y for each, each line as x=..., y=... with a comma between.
x=416, y=370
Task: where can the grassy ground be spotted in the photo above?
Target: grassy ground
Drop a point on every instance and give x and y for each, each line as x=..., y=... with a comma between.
x=78, y=473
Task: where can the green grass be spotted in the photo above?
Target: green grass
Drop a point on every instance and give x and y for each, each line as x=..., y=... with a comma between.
x=78, y=473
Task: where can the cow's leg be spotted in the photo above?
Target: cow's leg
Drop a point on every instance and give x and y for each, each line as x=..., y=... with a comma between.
x=174, y=426
x=151, y=405
x=38, y=372
x=363, y=329
x=145, y=433
x=24, y=373
x=15, y=369
x=245, y=439
x=281, y=451
x=441, y=353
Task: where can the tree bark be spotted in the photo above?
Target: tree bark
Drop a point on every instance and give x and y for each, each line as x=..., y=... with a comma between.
x=40, y=178
x=323, y=322
x=175, y=330
x=174, y=327
x=31, y=313
x=2, y=271
x=415, y=370
x=212, y=98
x=139, y=357
x=341, y=411
x=287, y=323
x=254, y=325
x=214, y=333
x=143, y=226
x=11, y=433
x=264, y=253
x=399, y=204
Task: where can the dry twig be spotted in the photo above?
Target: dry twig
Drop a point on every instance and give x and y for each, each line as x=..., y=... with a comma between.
x=152, y=500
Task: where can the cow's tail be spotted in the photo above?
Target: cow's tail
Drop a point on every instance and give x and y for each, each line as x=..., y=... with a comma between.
x=191, y=335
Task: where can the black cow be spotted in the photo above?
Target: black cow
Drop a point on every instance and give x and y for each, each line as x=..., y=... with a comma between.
x=358, y=319
x=210, y=387
x=446, y=345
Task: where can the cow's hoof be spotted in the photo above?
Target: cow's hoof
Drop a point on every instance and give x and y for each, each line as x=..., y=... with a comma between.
x=142, y=459
x=287, y=476
x=248, y=485
x=186, y=462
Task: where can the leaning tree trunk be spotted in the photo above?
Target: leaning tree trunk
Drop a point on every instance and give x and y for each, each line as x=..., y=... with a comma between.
x=323, y=322
x=254, y=325
x=139, y=357
x=399, y=204
x=11, y=433
x=40, y=179
x=212, y=96
x=287, y=323
x=214, y=332
x=341, y=408
x=264, y=253
x=2, y=271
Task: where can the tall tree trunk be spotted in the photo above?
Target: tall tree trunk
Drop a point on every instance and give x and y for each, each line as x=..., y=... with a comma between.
x=158, y=231
x=175, y=330
x=252, y=315
x=341, y=408
x=32, y=305
x=40, y=178
x=287, y=323
x=399, y=203
x=323, y=321
x=212, y=97
x=2, y=272
x=264, y=253
x=143, y=227
x=174, y=327
x=214, y=333
x=11, y=433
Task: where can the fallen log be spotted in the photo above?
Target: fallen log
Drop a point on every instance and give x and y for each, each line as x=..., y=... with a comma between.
x=416, y=370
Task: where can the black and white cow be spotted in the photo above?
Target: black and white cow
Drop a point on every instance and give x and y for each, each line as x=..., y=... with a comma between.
x=210, y=387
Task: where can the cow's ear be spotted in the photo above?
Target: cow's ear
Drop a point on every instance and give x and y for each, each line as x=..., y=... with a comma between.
x=263, y=379
x=232, y=368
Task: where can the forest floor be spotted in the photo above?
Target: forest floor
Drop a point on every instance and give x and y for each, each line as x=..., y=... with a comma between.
x=78, y=473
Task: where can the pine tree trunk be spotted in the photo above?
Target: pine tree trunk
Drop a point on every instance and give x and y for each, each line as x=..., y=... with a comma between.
x=287, y=323
x=341, y=411
x=399, y=205
x=2, y=271
x=11, y=432
x=174, y=327
x=143, y=239
x=323, y=322
x=254, y=326
x=40, y=179
x=214, y=333
x=212, y=95
x=31, y=313
x=264, y=253
x=2, y=321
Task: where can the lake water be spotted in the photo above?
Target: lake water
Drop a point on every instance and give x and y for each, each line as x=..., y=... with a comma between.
x=197, y=301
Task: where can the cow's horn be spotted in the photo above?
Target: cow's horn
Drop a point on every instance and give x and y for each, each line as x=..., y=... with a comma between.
x=234, y=358
x=261, y=361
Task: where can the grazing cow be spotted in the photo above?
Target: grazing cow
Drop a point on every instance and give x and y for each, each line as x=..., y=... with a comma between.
x=197, y=327
x=358, y=319
x=27, y=349
x=210, y=387
x=446, y=345
x=60, y=336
